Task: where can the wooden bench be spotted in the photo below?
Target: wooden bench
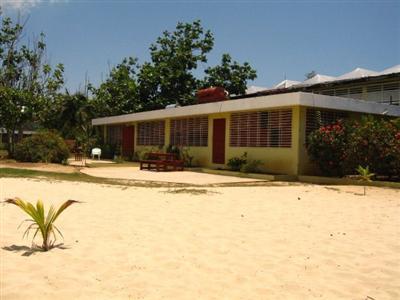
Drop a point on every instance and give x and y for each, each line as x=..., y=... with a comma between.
x=161, y=162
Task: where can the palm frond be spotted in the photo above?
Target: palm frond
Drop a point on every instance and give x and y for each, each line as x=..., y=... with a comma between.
x=40, y=221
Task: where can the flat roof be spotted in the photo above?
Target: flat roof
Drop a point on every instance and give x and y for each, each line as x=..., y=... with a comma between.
x=257, y=103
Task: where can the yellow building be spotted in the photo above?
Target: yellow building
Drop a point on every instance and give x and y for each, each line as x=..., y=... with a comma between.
x=270, y=128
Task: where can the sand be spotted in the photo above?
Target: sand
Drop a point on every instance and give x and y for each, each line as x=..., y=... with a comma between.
x=279, y=242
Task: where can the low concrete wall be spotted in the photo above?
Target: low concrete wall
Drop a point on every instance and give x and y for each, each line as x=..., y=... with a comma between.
x=346, y=181
x=301, y=178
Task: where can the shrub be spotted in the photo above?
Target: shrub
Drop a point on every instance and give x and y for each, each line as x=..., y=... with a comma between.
x=373, y=142
x=252, y=166
x=326, y=147
x=3, y=154
x=46, y=146
x=236, y=163
x=340, y=148
x=174, y=150
x=187, y=157
x=107, y=151
x=138, y=155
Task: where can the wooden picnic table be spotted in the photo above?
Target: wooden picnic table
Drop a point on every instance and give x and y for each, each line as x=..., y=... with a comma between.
x=161, y=162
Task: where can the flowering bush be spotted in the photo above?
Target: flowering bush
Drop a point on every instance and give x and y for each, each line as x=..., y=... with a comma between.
x=327, y=147
x=374, y=142
x=339, y=148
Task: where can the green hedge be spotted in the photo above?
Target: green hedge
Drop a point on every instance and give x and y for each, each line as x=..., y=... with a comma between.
x=338, y=149
x=46, y=146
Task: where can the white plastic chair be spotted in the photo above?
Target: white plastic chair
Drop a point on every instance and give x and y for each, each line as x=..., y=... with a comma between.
x=96, y=152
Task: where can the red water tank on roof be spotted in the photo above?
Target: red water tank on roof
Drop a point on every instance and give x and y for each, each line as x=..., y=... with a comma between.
x=212, y=94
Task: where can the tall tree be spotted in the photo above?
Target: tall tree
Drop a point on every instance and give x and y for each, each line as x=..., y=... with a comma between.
x=230, y=75
x=174, y=56
x=27, y=82
x=119, y=93
x=170, y=75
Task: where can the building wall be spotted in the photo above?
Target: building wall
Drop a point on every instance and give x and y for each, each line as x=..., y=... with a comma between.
x=274, y=159
x=385, y=91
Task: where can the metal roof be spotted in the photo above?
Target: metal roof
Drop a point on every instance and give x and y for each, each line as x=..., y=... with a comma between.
x=356, y=74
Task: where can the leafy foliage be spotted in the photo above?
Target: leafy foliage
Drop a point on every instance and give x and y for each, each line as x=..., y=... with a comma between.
x=374, y=142
x=327, y=147
x=119, y=93
x=40, y=222
x=169, y=76
x=27, y=83
x=365, y=175
x=230, y=75
x=251, y=166
x=236, y=163
x=46, y=146
x=173, y=58
x=340, y=148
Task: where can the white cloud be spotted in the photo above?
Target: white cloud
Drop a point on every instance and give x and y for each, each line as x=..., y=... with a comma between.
x=25, y=4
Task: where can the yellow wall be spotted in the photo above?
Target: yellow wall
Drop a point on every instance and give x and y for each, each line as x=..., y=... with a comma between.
x=274, y=160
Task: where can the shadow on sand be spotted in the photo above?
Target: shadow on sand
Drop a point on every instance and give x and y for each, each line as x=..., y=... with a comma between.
x=28, y=251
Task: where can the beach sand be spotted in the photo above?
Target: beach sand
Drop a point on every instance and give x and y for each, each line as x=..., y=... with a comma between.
x=273, y=242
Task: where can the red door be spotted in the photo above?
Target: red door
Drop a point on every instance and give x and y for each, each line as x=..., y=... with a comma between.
x=218, y=147
x=128, y=138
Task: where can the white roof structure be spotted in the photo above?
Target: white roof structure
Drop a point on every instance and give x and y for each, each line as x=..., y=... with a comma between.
x=358, y=73
x=254, y=89
x=285, y=84
x=254, y=103
x=394, y=69
x=318, y=79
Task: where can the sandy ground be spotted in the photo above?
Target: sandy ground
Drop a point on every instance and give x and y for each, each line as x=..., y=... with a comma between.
x=134, y=173
x=280, y=242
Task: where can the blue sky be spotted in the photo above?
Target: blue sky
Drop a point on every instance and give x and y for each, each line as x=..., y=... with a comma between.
x=275, y=37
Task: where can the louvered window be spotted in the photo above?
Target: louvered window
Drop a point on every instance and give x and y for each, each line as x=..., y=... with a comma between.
x=342, y=93
x=189, y=132
x=328, y=92
x=355, y=93
x=151, y=133
x=391, y=94
x=374, y=93
x=316, y=118
x=114, y=134
x=261, y=129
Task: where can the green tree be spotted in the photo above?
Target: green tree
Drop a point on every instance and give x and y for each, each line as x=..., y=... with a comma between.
x=69, y=113
x=27, y=83
x=169, y=76
x=119, y=93
x=174, y=56
x=230, y=75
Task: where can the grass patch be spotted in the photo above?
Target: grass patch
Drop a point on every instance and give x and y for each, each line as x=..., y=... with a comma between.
x=118, y=165
x=190, y=191
x=80, y=177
